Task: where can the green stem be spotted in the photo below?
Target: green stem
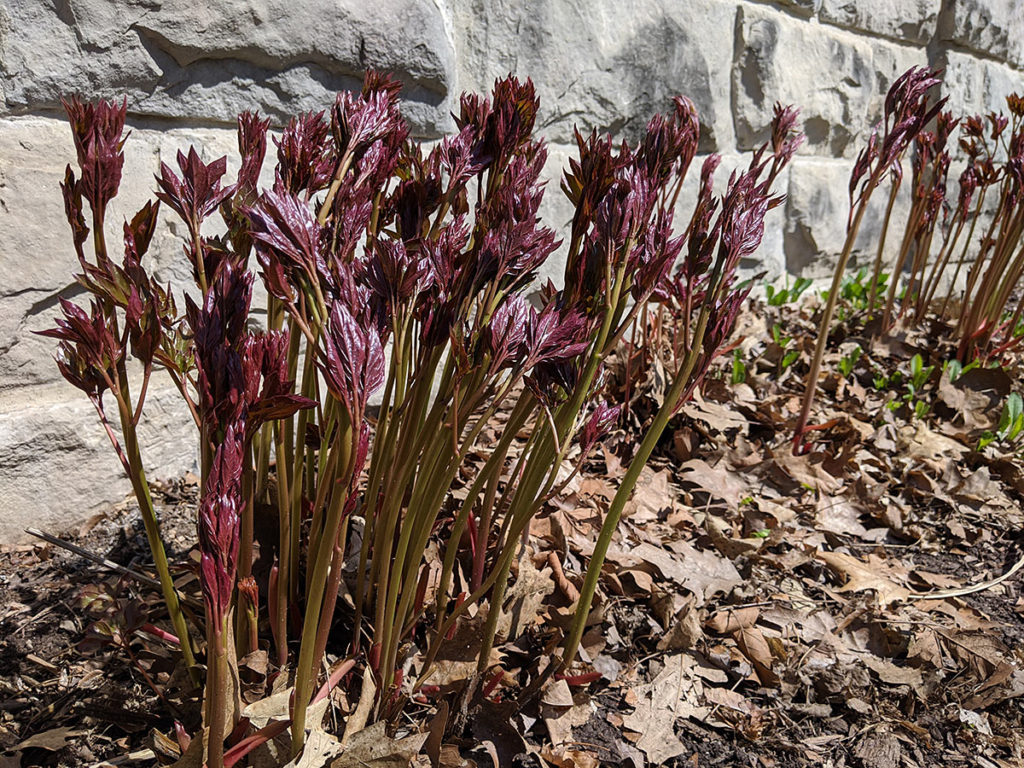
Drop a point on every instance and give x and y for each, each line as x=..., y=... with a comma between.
x=216, y=696
x=625, y=490
x=156, y=545
x=305, y=671
x=826, y=321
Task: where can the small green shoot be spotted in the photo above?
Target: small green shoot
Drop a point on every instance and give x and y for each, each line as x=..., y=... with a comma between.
x=1011, y=423
x=849, y=362
x=739, y=368
x=777, y=297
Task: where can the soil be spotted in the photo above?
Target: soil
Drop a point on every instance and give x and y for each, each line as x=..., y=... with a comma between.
x=840, y=661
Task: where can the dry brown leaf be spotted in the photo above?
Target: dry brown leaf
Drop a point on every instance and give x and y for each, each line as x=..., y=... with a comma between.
x=808, y=471
x=373, y=748
x=450, y=757
x=754, y=646
x=863, y=576
x=934, y=449
x=839, y=515
x=703, y=572
x=52, y=740
x=673, y=694
x=684, y=630
x=730, y=620
x=895, y=674
x=726, y=544
x=717, y=481
x=569, y=758
x=561, y=720
x=719, y=416
x=524, y=598
x=654, y=492
x=556, y=693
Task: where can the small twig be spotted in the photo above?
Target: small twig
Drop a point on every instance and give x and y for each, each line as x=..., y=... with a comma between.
x=133, y=757
x=109, y=564
x=942, y=594
x=49, y=667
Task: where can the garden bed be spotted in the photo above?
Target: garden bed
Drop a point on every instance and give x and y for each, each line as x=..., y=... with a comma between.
x=756, y=608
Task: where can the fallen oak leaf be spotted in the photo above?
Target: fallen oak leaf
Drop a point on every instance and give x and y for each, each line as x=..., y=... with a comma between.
x=730, y=620
x=861, y=576
x=673, y=694
x=569, y=758
x=754, y=646
x=373, y=748
x=52, y=740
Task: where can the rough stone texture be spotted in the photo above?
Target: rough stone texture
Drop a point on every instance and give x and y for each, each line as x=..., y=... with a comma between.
x=37, y=261
x=188, y=68
x=602, y=63
x=911, y=21
x=992, y=28
x=800, y=7
x=978, y=86
x=817, y=208
x=838, y=79
x=56, y=464
x=209, y=61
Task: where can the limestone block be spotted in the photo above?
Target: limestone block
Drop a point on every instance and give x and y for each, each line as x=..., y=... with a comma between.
x=37, y=260
x=817, y=208
x=210, y=61
x=977, y=85
x=838, y=79
x=800, y=7
x=909, y=21
x=993, y=28
x=56, y=463
x=603, y=64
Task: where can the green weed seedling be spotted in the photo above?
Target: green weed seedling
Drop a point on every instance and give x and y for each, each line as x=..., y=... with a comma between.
x=912, y=384
x=856, y=289
x=919, y=375
x=956, y=369
x=849, y=362
x=739, y=368
x=777, y=297
x=789, y=356
x=1011, y=423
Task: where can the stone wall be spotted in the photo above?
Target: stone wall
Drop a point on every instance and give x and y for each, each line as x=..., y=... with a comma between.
x=188, y=68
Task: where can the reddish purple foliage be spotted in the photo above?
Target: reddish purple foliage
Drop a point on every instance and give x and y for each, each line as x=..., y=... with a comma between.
x=97, y=130
x=218, y=525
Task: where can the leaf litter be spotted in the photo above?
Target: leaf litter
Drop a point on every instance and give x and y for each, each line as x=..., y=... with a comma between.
x=756, y=608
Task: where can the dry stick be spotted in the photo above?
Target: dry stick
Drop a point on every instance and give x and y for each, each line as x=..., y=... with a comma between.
x=110, y=564
x=942, y=594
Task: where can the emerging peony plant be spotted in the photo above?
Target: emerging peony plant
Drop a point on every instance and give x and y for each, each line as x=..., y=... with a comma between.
x=402, y=274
